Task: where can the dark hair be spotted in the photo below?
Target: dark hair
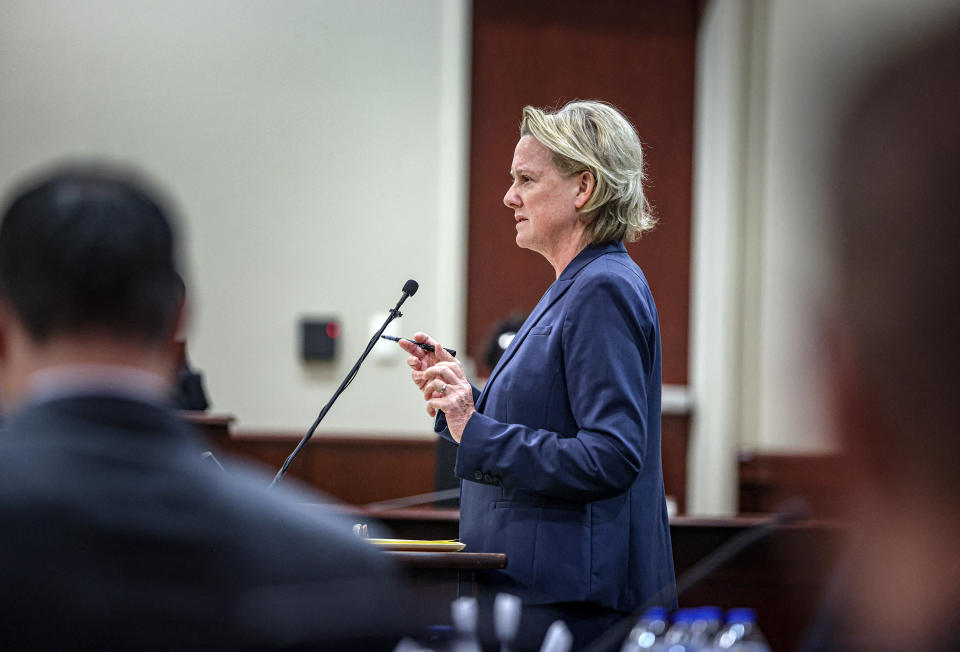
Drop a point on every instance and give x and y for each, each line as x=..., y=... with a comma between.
x=88, y=250
x=509, y=326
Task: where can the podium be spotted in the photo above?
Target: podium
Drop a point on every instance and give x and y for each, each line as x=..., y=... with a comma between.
x=441, y=577
x=436, y=578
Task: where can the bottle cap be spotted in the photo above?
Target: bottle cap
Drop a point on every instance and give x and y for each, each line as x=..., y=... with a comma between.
x=741, y=615
x=655, y=613
x=685, y=615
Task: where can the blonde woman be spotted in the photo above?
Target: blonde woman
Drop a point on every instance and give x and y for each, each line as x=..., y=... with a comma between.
x=560, y=453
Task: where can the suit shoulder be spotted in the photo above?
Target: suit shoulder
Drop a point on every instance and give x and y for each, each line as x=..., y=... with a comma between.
x=614, y=283
x=613, y=273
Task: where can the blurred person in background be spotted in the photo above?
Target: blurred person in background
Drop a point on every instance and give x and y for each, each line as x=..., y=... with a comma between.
x=188, y=391
x=115, y=534
x=894, y=357
x=559, y=456
x=501, y=335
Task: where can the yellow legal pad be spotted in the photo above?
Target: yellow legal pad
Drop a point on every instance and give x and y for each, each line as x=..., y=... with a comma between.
x=416, y=545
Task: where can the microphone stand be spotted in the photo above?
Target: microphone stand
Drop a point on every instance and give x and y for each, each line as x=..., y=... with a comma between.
x=394, y=313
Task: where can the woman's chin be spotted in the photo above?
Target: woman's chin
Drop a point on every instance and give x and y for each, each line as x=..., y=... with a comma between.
x=522, y=239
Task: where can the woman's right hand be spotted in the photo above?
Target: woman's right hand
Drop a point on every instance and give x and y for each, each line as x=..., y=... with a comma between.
x=419, y=359
x=433, y=379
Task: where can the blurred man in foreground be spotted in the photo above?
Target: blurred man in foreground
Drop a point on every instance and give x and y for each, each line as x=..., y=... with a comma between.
x=894, y=357
x=115, y=533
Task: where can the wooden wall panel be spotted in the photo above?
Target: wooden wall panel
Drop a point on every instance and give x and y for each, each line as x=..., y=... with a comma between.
x=766, y=480
x=674, y=444
x=361, y=470
x=639, y=55
x=356, y=470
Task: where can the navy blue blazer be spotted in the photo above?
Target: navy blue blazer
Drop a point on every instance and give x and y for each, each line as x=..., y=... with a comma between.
x=116, y=535
x=561, y=462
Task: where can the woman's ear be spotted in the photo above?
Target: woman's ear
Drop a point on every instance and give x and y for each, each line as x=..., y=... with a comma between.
x=587, y=184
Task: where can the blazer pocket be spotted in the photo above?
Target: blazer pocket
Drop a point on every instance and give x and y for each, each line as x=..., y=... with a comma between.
x=541, y=330
x=541, y=504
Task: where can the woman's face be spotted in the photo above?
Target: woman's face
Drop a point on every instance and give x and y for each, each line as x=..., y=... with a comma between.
x=544, y=201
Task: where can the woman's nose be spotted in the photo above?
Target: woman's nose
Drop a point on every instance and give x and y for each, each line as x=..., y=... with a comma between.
x=511, y=199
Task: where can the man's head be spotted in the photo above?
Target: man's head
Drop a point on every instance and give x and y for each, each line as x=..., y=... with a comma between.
x=87, y=255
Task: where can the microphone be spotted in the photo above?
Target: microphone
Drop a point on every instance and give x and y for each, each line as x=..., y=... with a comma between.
x=789, y=511
x=409, y=289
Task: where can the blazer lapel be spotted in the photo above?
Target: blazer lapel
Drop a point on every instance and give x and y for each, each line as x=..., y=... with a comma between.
x=552, y=295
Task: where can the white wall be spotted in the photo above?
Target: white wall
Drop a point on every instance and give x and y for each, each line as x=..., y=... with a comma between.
x=317, y=150
x=772, y=77
x=817, y=50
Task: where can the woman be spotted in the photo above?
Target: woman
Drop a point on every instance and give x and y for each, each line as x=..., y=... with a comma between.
x=560, y=453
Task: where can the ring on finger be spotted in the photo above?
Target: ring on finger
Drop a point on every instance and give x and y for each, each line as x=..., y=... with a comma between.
x=443, y=388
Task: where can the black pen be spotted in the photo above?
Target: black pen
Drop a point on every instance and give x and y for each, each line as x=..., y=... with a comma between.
x=425, y=347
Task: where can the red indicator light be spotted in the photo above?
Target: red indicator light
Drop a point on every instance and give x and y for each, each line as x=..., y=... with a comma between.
x=333, y=330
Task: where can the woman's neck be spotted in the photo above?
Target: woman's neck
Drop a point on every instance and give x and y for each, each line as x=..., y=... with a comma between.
x=566, y=253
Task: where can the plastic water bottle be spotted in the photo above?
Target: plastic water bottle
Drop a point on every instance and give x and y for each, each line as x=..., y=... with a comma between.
x=506, y=619
x=463, y=612
x=677, y=638
x=647, y=632
x=558, y=638
x=741, y=633
x=705, y=627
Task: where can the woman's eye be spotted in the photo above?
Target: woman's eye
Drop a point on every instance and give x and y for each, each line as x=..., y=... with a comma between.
x=524, y=178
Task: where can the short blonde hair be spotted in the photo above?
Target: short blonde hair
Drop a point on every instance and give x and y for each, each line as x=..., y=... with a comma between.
x=593, y=136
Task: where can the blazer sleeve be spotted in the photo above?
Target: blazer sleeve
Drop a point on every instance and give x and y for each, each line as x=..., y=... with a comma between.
x=440, y=423
x=607, y=359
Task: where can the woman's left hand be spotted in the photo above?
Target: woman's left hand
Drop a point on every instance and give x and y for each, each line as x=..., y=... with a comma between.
x=448, y=389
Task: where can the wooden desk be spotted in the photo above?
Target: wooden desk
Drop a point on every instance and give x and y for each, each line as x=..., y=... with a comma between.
x=782, y=577
x=438, y=578
x=451, y=560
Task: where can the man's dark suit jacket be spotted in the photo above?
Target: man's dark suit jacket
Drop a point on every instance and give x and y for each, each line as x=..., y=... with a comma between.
x=116, y=536
x=561, y=463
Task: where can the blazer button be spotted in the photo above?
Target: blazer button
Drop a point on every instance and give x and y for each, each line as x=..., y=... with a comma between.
x=488, y=478
x=478, y=475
